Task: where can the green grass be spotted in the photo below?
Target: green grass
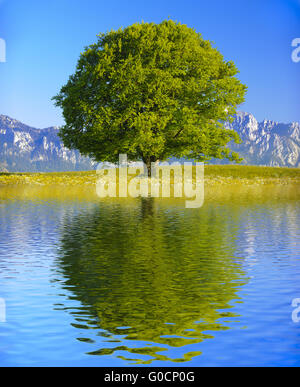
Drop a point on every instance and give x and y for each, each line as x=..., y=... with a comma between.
x=250, y=172
x=213, y=174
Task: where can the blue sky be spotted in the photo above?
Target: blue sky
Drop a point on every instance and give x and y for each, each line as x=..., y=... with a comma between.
x=44, y=40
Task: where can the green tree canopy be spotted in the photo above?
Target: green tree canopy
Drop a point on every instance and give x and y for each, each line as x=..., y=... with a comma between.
x=151, y=91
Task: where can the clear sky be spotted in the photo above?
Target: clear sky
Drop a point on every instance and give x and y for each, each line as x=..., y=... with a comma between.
x=44, y=40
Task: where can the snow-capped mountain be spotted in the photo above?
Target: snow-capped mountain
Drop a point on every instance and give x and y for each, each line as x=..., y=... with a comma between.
x=267, y=142
x=26, y=149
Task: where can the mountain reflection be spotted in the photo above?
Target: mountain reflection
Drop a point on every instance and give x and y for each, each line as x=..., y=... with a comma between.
x=151, y=277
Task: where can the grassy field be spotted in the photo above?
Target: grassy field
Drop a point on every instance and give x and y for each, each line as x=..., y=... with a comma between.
x=214, y=174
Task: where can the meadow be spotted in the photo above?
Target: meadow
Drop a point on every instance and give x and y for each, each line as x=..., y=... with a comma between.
x=214, y=174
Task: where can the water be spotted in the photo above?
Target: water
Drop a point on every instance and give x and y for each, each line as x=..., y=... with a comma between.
x=90, y=282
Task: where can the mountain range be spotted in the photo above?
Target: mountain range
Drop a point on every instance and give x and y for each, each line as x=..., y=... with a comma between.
x=27, y=149
x=268, y=142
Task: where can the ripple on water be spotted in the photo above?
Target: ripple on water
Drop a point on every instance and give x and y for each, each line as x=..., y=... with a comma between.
x=149, y=282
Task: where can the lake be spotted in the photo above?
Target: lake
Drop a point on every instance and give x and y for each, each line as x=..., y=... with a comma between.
x=118, y=282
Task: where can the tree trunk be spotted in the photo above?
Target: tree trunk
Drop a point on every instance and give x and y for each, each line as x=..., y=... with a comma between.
x=148, y=162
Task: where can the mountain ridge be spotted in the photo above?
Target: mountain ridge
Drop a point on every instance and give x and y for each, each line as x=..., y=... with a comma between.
x=27, y=149
x=268, y=142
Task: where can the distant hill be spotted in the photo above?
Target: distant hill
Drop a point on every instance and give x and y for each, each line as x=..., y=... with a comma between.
x=268, y=142
x=27, y=149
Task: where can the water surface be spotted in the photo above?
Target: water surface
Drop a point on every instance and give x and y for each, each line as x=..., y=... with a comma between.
x=147, y=282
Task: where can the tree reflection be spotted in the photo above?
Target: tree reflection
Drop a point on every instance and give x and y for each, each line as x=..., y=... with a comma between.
x=151, y=275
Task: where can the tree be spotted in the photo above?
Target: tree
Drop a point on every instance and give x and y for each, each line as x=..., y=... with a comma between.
x=151, y=91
